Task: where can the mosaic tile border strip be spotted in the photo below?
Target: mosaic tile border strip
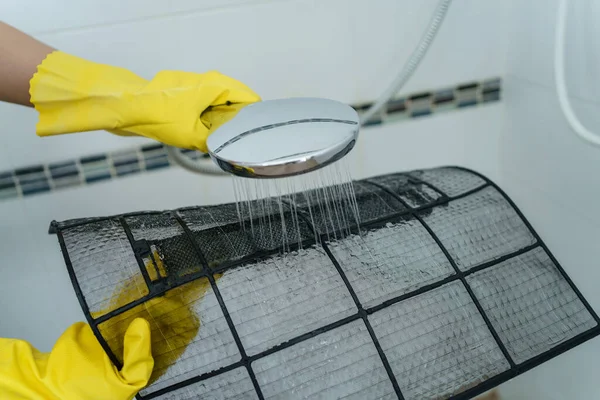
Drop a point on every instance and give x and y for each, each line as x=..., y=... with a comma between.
x=37, y=179
x=422, y=104
x=28, y=181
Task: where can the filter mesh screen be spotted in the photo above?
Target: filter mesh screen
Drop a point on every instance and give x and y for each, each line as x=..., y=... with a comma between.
x=530, y=305
x=391, y=260
x=341, y=363
x=437, y=343
x=443, y=292
x=103, y=259
x=274, y=300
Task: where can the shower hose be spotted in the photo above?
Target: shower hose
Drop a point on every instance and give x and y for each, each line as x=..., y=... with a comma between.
x=560, y=81
x=206, y=166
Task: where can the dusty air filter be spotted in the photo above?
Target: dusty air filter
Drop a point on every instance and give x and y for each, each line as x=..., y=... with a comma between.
x=446, y=292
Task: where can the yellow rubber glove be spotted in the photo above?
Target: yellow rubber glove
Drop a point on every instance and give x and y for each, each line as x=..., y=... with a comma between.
x=77, y=368
x=75, y=95
x=172, y=316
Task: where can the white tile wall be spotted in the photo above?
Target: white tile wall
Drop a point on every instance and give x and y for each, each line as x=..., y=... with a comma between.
x=467, y=137
x=531, y=52
x=348, y=50
x=538, y=144
x=471, y=43
x=551, y=174
x=39, y=16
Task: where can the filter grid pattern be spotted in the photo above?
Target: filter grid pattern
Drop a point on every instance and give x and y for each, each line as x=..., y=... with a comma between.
x=444, y=290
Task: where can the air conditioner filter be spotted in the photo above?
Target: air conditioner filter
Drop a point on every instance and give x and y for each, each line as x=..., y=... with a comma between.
x=445, y=292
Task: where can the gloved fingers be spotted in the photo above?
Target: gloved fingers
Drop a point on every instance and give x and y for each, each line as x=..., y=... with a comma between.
x=176, y=121
x=226, y=104
x=199, y=127
x=234, y=91
x=137, y=354
x=215, y=116
x=199, y=116
x=235, y=96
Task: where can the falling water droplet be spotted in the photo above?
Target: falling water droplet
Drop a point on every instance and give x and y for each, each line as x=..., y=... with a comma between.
x=323, y=200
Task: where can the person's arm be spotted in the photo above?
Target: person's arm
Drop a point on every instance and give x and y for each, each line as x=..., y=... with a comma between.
x=72, y=94
x=20, y=54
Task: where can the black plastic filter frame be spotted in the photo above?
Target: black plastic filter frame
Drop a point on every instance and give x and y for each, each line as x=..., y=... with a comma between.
x=413, y=212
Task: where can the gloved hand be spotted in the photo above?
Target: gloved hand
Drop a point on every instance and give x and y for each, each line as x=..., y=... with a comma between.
x=77, y=368
x=173, y=315
x=75, y=95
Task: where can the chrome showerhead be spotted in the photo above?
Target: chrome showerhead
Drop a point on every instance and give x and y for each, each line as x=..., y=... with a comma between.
x=285, y=137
